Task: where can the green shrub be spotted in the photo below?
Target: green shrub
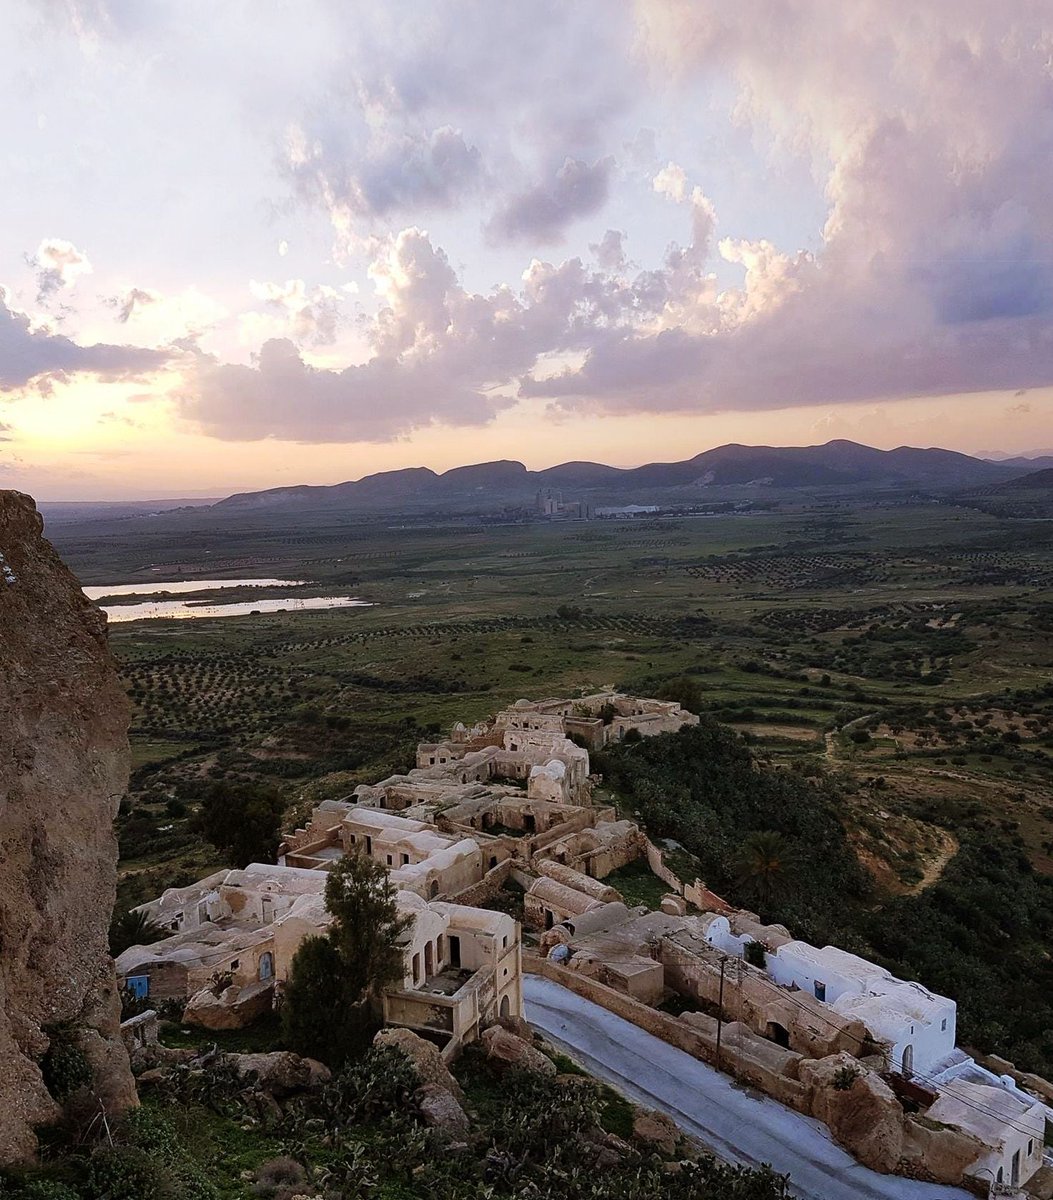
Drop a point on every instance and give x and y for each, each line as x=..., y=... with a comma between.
x=754, y=955
x=844, y=1077
x=37, y=1189
x=64, y=1067
x=122, y=1173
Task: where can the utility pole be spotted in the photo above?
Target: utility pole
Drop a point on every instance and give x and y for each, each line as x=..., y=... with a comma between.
x=720, y=1007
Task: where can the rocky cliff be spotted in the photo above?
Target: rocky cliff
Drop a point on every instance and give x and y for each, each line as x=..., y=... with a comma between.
x=63, y=769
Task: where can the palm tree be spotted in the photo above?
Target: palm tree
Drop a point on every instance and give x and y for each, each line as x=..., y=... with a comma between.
x=765, y=866
x=133, y=929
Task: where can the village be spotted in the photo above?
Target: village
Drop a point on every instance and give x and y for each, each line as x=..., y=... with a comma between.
x=511, y=803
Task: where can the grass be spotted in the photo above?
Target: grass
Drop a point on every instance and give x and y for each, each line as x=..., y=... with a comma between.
x=261, y=1037
x=638, y=885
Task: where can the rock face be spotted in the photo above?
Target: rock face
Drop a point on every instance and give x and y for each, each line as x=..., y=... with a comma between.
x=63, y=770
x=865, y=1117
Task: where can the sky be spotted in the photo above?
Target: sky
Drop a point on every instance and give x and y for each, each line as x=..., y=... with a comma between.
x=268, y=242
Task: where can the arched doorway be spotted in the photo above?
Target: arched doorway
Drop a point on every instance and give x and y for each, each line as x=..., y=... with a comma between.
x=908, y=1060
x=433, y=889
x=506, y=1008
x=266, y=965
x=429, y=960
x=548, y=918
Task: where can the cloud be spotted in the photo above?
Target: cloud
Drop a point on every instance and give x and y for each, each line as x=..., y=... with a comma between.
x=58, y=265
x=360, y=176
x=671, y=181
x=132, y=302
x=543, y=211
x=37, y=356
x=6, y=432
x=314, y=315
x=440, y=354
x=932, y=128
x=609, y=252
x=430, y=107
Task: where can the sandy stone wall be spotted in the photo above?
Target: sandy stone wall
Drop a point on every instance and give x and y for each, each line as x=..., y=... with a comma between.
x=63, y=770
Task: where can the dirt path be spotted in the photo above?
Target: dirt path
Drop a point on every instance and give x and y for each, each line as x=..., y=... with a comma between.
x=830, y=737
x=935, y=866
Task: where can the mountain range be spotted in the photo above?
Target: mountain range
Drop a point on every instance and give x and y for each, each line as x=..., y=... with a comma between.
x=836, y=464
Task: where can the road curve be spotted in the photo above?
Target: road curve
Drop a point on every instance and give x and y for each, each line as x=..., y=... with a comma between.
x=740, y=1124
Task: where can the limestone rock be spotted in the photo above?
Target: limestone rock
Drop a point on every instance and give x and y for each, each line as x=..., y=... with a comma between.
x=655, y=1131
x=234, y=1007
x=520, y=1026
x=865, y=1118
x=440, y=1109
x=63, y=770
x=279, y=1072
x=504, y=1047
x=425, y=1057
x=154, y=1055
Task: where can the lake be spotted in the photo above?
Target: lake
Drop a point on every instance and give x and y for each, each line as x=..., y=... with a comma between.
x=182, y=610
x=183, y=585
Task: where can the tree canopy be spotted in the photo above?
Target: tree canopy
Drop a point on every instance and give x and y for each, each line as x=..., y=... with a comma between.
x=335, y=979
x=243, y=821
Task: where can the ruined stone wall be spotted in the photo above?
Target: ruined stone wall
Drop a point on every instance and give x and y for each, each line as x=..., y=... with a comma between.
x=656, y=862
x=810, y=1027
x=63, y=770
x=481, y=893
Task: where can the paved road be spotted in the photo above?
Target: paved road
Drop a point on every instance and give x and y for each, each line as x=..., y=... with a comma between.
x=740, y=1124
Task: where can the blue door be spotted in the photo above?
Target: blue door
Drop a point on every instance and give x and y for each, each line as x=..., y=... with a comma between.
x=138, y=985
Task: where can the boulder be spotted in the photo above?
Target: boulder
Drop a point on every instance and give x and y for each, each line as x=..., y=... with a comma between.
x=655, y=1131
x=865, y=1117
x=279, y=1072
x=505, y=1048
x=520, y=1026
x=440, y=1109
x=234, y=1007
x=425, y=1057
x=153, y=1056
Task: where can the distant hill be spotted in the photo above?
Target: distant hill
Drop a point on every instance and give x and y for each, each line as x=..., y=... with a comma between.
x=1040, y=480
x=1029, y=495
x=491, y=485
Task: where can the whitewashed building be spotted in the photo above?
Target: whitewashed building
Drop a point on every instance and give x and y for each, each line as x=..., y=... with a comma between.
x=917, y=1026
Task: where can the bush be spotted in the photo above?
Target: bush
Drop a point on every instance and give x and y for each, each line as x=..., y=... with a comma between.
x=37, y=1189
x=64, y=1067
x=121, y=1173
x=274, y=1177
x=844, y=1078
x=754, y=955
